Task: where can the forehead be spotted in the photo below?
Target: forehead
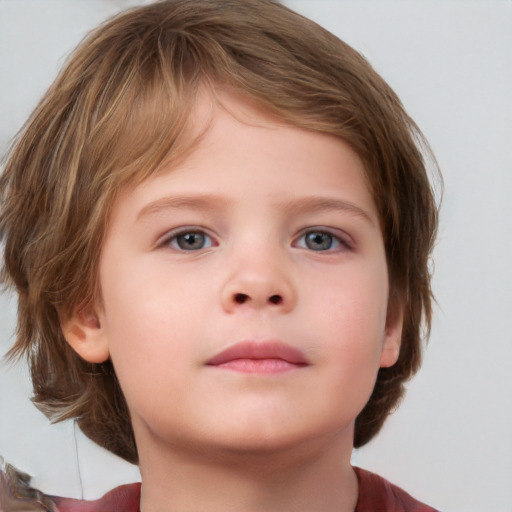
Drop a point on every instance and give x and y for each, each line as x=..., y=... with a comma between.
x=196, y=127
x=240, y=151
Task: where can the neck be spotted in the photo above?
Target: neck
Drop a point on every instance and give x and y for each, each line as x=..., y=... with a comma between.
x=315, y=477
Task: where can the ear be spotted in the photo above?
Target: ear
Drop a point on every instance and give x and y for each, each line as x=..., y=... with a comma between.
x=84, y=333
x=392, y=335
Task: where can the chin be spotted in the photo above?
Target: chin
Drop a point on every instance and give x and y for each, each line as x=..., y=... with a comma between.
x=260, y=440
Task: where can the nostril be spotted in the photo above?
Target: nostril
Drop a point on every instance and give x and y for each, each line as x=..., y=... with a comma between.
x=240, y=298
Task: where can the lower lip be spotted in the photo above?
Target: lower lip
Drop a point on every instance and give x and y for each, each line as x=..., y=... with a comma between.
x=259, y=365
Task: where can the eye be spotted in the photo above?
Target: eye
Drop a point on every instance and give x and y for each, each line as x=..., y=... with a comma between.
x=189, y=240
x=318, y=240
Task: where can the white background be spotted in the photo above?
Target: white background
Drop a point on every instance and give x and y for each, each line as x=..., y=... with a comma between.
x=450, y=443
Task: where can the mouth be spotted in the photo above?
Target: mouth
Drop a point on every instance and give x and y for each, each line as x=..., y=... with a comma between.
x=259, y=357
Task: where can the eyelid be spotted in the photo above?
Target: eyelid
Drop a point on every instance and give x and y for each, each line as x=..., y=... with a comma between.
x=165, y=240
x=344, y=239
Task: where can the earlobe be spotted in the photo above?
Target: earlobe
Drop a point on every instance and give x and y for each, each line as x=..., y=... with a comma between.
x=84, y=333
x=392, y=337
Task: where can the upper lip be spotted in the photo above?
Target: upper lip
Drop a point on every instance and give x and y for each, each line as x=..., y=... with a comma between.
x=259, y=350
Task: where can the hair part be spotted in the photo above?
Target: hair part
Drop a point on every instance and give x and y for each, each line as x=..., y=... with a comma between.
x=121, y=107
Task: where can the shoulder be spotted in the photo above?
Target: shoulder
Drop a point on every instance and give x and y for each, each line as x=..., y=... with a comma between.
x=377, y=494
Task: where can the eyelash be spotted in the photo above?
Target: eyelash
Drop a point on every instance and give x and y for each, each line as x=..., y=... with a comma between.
x=340, y=243
x=172, y=240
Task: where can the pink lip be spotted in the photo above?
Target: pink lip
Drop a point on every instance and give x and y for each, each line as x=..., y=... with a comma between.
x=259, y=357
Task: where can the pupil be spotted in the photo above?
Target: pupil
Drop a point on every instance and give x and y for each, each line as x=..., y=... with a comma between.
x=318, y=241
x=191, y=241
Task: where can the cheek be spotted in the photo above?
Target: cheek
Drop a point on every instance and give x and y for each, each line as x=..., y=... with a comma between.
x=352, y=319
x=147, y=316
x=354, y=301
x=150, y=359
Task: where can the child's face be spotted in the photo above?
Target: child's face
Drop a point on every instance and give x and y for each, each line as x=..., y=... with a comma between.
x=265, y=239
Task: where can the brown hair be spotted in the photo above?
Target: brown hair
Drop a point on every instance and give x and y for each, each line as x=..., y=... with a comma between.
x=120, y=107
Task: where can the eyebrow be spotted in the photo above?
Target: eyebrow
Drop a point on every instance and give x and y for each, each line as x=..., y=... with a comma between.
x=206, y=203
x=197, y=202
x=316, y=204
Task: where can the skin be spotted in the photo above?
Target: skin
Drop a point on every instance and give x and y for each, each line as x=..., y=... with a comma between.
x=265, y=233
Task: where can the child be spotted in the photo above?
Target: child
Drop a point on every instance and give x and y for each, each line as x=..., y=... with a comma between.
x=218, y=223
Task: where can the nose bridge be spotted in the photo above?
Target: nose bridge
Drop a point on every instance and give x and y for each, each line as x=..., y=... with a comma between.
x=259, y=277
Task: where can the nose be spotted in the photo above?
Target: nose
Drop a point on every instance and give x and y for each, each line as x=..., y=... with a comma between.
x=259, y=286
